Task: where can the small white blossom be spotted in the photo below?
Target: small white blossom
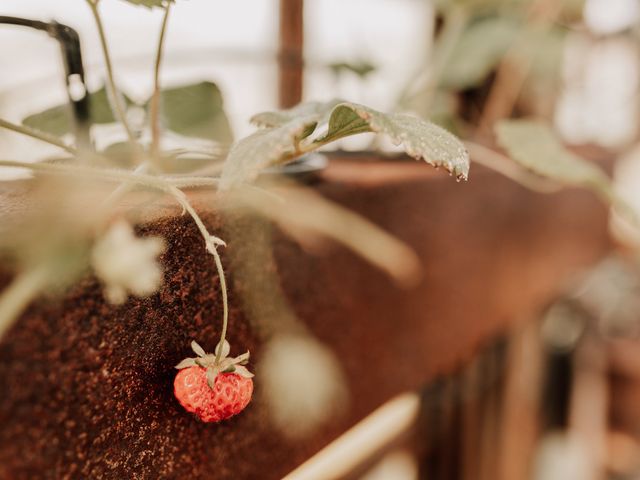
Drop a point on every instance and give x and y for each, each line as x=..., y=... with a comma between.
x=302, y=382
x=126, y=263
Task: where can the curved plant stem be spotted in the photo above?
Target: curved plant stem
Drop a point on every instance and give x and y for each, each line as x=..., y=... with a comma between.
x=123, y=188
x=112, y=175
x=154, y=109
x=136, y=177
x=15, y=298
x=111, y=85
x=225, y=303
x=37, y=134
x=211, y=243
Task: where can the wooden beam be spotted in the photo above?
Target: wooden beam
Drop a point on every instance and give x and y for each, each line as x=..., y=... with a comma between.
x=290, y=52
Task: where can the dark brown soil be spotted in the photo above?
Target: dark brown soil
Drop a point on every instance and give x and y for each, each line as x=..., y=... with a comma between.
x=87, y=388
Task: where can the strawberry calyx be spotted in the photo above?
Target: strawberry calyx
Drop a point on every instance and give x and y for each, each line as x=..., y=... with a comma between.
x=218, y=362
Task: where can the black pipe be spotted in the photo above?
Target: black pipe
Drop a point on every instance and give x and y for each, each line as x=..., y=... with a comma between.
x=69, y=41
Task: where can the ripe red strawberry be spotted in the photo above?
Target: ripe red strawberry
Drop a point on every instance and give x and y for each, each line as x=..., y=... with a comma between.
x=229, y=396
x=213, y=388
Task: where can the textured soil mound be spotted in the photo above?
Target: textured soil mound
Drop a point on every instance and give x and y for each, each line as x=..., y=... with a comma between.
x=87, y=388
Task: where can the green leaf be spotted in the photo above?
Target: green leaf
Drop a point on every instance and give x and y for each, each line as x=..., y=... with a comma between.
x=226, y=348
x=344, y=121
x=283, y=138
x=479, y=51
x=243, y=372
x=149, y=3
x=282, y=131
x=361, y=68
x=58, y=120
x=197, y=349
x=419, y=138
x=101, y=111
x=311, y=111
x=192, y=110
x=534, y=145
x=242, y=359
x=261, y=149
x=186, y=363
x=212, y=374
x=196, y=111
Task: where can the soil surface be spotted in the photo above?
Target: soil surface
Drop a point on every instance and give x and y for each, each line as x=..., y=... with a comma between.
x=87, y=387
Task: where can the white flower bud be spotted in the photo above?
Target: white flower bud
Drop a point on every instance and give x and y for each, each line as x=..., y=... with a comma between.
x=127, y=264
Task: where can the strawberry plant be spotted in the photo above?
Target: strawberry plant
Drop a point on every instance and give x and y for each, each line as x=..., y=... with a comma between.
x=90, y=174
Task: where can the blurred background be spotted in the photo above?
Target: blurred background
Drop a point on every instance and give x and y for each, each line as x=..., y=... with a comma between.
x=368, y=58
x=465, y=64
x=235, y=44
